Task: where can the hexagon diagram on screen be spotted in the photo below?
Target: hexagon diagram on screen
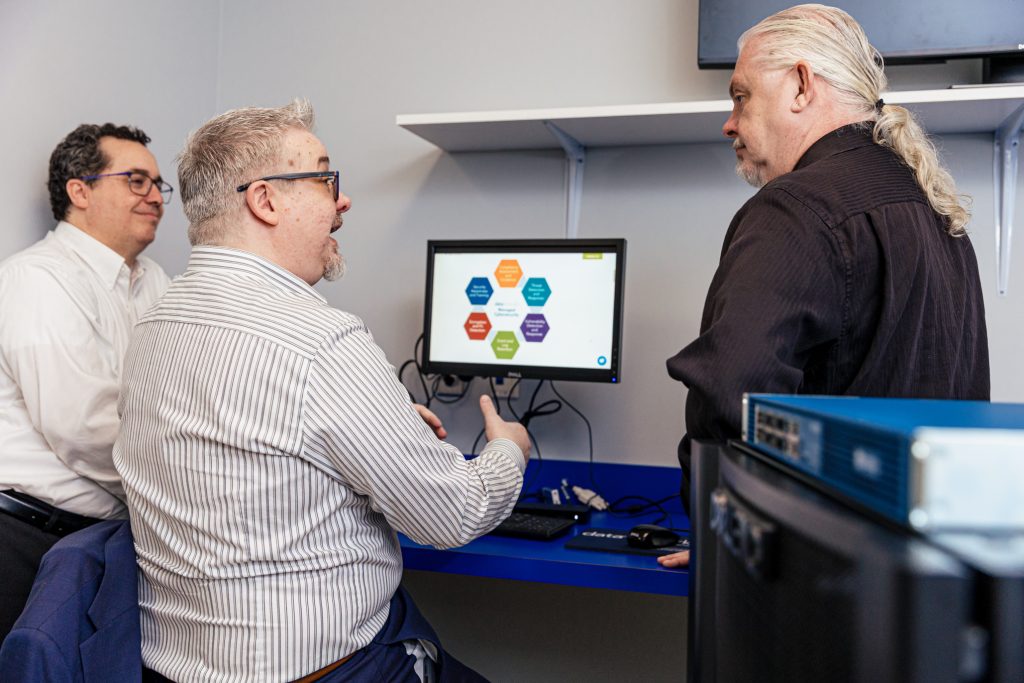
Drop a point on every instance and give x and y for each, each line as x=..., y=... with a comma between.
x=479, y=291
x=505, y=345
x=508, y=273
x=534, y=327
x=536, y=291
x=477, y=325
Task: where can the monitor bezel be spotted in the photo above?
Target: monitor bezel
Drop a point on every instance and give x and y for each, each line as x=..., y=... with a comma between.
x=611, y=374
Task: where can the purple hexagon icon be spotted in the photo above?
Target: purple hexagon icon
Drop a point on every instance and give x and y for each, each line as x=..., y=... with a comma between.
x=534, y=327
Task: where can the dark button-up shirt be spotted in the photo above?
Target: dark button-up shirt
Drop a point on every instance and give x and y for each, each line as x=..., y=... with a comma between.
x=837, y=278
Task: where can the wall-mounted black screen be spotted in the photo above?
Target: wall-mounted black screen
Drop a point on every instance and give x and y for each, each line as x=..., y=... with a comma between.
x=910, y=31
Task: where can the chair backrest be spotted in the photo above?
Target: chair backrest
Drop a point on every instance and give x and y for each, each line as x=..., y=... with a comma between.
x=81, y=622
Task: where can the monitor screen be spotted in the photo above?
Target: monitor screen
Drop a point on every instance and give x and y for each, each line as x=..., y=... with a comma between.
x=542, y=309
x=911, y=31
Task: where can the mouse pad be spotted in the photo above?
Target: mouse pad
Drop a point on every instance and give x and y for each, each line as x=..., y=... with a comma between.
x=614, y=541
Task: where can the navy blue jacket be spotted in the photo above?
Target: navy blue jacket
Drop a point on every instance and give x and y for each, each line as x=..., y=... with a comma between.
x=81, y=622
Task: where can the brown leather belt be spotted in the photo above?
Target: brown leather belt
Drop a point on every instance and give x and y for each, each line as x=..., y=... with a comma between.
x=320, y=673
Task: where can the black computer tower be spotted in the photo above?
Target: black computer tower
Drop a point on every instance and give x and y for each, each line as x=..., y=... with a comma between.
x=790, y=585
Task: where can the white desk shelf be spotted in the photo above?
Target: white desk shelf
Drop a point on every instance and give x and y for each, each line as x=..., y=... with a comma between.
x=960, y=110
x=997, y=110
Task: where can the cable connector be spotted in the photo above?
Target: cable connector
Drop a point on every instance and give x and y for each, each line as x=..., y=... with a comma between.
x=591, y=498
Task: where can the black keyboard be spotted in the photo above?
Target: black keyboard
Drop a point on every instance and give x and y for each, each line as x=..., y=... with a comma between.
x=530, y=525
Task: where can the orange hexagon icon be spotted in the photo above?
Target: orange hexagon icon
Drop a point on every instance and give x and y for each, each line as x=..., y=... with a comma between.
x=477, y=325
x=508, y=273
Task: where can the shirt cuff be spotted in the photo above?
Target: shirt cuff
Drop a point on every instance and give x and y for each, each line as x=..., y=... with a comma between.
x=509, y=449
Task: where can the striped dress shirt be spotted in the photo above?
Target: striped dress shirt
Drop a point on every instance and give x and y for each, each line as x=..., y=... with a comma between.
x=269, y=453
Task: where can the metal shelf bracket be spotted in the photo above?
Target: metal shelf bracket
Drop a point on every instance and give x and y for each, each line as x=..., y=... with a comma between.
x=576, y=160
x=1005, y=161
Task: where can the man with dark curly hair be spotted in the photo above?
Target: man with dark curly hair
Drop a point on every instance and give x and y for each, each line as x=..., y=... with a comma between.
x=68, y=304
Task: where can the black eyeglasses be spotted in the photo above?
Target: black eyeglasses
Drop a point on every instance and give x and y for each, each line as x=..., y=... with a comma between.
x=329, y=177
x=138, y=183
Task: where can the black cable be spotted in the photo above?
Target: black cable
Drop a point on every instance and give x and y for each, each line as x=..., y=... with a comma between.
x=536, y=470
x=508, y=399
x=546, y=408
x=419, y=373
x=419, y=369
x=477, y=439
x=638, y=510
x=494, y=395
x=533, y=398
x=401, y=371
x=590, y=434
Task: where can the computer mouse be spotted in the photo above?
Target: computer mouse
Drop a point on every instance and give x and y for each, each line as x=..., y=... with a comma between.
x=651, y=536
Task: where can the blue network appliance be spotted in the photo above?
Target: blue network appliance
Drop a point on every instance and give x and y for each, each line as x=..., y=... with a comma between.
x=931, y=465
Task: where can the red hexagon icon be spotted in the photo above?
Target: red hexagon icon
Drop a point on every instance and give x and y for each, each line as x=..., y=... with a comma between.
x=508, y=273
x=477, y=325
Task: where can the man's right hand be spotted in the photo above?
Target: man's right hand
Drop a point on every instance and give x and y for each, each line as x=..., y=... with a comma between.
x=496, y=428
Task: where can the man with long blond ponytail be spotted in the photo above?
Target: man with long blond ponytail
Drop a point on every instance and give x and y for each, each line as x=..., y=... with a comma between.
x=849, y=272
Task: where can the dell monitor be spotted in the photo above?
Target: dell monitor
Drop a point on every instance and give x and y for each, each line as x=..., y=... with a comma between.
x=540, y=309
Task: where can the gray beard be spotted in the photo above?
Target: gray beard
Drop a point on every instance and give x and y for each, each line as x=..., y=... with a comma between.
x=334, y=268
x=750, y=176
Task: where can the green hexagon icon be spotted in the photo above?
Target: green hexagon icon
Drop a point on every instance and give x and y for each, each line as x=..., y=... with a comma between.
x=505, y=345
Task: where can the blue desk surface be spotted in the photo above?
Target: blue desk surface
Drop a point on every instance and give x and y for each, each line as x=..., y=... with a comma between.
x=550, y=561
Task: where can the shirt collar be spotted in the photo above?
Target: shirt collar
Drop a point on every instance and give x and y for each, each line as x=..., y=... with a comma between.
x=840, y=140
x=103, y=260
x=220, y=259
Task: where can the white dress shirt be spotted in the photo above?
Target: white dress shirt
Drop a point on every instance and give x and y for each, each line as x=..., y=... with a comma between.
x=67, y=307
x=269, y=452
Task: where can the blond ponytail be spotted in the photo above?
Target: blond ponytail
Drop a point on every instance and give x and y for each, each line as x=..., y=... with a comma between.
x=897, y=129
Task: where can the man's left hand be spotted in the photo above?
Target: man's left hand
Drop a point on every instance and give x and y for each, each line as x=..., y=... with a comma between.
x=432, y=420
x=680, y=559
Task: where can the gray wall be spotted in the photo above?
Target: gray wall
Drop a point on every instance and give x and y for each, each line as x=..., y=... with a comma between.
x=375, y=60
x=168, y=67
x=66, y=63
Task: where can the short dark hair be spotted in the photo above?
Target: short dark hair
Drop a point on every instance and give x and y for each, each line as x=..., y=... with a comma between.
x=78, y=155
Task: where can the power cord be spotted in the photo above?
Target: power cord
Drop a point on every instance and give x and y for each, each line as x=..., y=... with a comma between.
x=590, y=435
x=618, y=508
x=415, y=360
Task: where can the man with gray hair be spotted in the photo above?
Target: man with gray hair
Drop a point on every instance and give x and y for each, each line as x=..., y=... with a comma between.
x=850, y=271
x=67, y=306
x=268, y=450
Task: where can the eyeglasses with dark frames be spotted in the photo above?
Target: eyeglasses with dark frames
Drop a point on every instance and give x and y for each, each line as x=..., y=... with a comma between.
x=138, y=183
x=329, y=177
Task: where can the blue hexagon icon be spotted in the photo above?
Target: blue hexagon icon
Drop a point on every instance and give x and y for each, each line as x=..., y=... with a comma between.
x=536, y=291
x=479, y=291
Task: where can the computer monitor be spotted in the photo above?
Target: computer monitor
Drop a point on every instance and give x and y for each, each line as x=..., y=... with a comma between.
x=542, y=309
